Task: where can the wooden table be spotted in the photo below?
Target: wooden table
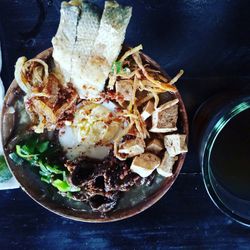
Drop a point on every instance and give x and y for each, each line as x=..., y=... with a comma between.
x=210, y=40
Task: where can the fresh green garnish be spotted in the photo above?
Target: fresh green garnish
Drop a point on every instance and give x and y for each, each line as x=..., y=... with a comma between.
x=42, y=147
x=116, y=67
x=64, y=186
x=35, y=152
x=55, y=169
x=24, y=152
x=46, y=179
x=5, y=173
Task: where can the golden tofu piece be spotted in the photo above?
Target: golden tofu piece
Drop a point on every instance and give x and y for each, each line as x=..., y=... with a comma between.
x=155, y=146
x=164, y=119
x=175, y=144
x=132, y=147
x=145, y=164
x=166, y=167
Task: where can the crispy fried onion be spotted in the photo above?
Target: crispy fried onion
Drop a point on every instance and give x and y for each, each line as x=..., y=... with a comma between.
x=31, y=75
x=52, y=105
x=148, y=97
x=157, y=84
x=149, y=81
x=47, y=101
x=131, y=52
x=45, y=114
x=152, y=80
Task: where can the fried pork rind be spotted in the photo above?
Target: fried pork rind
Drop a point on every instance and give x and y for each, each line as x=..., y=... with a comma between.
x=46, y=100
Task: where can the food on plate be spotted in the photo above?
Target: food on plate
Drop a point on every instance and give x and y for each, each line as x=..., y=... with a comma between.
x=97, y=41
x=145, y=164
x=175, y=144
x=101, y=116
x=164, y=118
x=166, y=167
x=148, y=110
x=155, y=145
x=132, y=147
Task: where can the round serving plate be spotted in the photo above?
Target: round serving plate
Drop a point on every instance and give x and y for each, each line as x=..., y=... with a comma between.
x=131, y=203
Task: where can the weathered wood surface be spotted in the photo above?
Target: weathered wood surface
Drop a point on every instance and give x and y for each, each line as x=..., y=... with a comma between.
x=210, y=40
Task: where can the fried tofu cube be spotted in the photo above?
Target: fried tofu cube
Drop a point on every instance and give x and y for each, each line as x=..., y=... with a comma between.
x=124, y=88
x=166, y=167
x=175, y=144
x=155, y=146
x=164, y=119
x=145, y=164
x=147, y=110
x=132, y=147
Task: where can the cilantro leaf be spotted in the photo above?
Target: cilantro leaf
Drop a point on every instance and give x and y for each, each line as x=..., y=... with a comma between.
x=116, y=67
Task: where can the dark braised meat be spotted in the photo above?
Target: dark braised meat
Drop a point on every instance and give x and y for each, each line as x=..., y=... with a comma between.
x=102, y=182
x=103, y=203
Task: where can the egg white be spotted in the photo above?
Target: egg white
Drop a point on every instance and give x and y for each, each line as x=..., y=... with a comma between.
x=82, y=136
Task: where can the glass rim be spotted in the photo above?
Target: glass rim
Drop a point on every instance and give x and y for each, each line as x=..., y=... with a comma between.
x=231, y=111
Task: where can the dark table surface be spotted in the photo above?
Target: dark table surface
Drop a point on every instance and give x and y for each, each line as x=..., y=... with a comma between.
x=210, y=40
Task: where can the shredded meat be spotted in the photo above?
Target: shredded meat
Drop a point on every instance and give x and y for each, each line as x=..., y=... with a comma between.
x=102, y=183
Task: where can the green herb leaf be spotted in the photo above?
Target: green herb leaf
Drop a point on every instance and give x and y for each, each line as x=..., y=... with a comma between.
x=44, y=173
x=20, y=152
x=65, y=176
x=31, y=144
x=24, y=152
x=32, y=152
x=34, y=161
x=27, y=150
x=54, y=169
x=46, y=179
x=42, y=147
x=43, y=168
x=116, y=67
x=69, y=195
x=64, y=186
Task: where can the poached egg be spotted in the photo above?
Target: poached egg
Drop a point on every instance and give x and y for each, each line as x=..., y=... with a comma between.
x=92, y=131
